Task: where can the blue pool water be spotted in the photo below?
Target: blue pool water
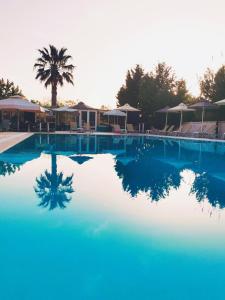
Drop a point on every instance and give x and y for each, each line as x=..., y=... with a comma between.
x=110, y=217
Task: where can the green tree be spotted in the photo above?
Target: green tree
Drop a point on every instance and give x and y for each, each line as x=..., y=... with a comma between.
x=129, y=92
x=8, y=89
x=207, y=85
x=220, y=84
x=53, y=68
x=160, y=88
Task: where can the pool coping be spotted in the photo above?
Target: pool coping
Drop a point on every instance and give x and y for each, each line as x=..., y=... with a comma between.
x=9, y=140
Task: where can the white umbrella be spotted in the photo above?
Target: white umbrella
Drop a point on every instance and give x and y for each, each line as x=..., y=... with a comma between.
x=203, y=105
x=221, y=102
x=180, y=109
x=127, y=108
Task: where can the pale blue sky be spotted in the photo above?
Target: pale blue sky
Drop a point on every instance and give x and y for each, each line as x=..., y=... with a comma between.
x=106, y=38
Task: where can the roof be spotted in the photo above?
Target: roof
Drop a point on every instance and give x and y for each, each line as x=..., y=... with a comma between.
x=64, y=109
x=83, y=106
x=20, y=103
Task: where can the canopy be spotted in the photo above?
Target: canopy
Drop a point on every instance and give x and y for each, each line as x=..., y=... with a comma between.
x=20, y=103
x=64, y=109
x=180, y=109
x=127, y=107
x=221, y=102
x=115, y=112
x=203, y=104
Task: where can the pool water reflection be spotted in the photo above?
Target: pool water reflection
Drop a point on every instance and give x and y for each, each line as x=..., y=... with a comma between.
x=112, y=217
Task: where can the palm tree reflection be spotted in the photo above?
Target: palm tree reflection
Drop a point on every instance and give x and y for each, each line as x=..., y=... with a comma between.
x=52, y=188
x=8, y=168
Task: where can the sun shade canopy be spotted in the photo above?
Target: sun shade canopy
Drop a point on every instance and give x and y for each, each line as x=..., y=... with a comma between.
x=204, y=104
x=180, y=108
x=19, y=103
x=127, y=107
x=221, y=102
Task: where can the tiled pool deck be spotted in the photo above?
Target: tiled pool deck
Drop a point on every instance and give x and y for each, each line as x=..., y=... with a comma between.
x=9, y=139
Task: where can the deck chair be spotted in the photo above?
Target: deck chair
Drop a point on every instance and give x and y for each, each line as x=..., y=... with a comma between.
x=157, y=131
x=73, y=126
x=130, y=128
x=116, y=128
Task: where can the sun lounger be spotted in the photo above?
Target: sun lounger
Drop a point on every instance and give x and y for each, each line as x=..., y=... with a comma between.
x=73, y=126
x=130, y=128
x=117, y=129
x=157, y=131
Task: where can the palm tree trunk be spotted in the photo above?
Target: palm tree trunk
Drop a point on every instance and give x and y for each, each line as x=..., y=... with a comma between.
x=54, y=165
x=54, y=95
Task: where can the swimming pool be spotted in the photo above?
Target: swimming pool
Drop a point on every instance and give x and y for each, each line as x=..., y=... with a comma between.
x=112, y=217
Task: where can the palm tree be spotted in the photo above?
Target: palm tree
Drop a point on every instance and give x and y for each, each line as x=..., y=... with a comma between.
x=53, y=69
x=54, y=190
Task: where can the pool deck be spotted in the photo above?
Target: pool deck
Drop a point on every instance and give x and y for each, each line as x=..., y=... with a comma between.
x=10, y=139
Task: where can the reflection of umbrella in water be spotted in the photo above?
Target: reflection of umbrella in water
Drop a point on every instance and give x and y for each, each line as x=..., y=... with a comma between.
x=80, y=159
x=125, y=160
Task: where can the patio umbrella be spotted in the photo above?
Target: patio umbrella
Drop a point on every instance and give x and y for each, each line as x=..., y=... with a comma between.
x=221, y=102
x=164, y=111
x=127, y=108
x=181, y=108
x=203, y=105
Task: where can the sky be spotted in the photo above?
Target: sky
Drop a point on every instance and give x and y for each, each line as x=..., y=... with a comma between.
x=106, y=38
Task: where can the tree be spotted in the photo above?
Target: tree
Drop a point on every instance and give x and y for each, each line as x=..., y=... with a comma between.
x=207, y=85
x=8, y=89
x=53, y=69
x=53, y=190
x=129, y=93
x=220, y=84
